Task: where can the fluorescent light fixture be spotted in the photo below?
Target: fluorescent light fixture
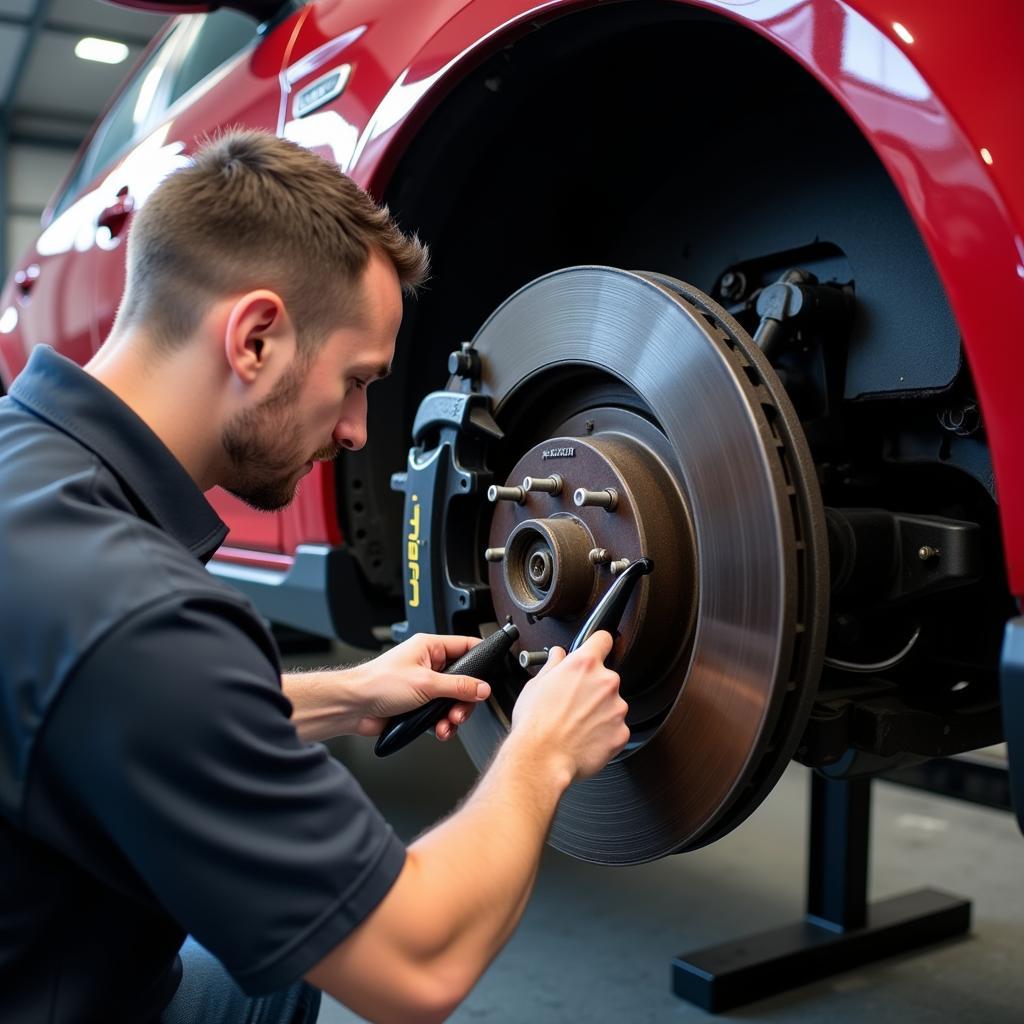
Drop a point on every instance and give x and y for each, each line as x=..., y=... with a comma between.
x=986, y=156
x=104, y=51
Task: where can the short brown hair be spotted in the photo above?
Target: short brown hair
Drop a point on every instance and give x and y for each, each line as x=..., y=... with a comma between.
x=252, y=210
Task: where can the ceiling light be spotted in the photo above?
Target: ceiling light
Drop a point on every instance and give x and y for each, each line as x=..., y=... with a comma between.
x=105, y=51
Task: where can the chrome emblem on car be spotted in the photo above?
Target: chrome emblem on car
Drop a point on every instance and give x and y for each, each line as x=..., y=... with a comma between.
x=323, y=90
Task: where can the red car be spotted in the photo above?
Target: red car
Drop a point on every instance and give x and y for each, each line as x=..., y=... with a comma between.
x=817, y=438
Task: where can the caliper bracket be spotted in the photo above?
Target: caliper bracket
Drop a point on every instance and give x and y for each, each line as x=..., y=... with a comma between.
x=446, y=462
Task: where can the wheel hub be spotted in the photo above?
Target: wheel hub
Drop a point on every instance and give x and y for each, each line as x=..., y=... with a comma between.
x=564, y=534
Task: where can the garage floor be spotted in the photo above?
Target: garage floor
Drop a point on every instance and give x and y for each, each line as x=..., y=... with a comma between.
x=596, y=943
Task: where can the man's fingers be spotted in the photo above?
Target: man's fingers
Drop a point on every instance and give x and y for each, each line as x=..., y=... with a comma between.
x=461, y=688
x=457, y=714
x=445, y=649
x=599, y=644
x=555, y=655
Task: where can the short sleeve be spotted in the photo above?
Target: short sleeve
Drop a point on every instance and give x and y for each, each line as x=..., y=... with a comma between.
x=174, y=737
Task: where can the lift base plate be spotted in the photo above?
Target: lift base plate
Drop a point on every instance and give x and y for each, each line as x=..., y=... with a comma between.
x=723, y=977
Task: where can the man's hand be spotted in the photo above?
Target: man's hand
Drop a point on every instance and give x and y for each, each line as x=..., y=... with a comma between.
x=360, y=700
x=411, y=674
x=574, y=709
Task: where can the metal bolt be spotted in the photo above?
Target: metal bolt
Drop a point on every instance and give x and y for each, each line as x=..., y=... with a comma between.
x=599, y=556
x=546, y=484
x=619, y=566
x=926, y=552
x=732, y=286
x=606, y=499
x=494, y=554
x=516, y=494
x=530, y=659
x=464, y=362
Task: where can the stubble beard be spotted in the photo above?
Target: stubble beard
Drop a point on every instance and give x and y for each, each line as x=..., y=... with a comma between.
x=259, y=442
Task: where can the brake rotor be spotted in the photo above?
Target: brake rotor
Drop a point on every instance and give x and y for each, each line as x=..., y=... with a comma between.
x=648, y=423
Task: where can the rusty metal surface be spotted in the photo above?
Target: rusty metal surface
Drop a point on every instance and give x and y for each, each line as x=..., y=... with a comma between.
x=649, y=519
x=716, y=744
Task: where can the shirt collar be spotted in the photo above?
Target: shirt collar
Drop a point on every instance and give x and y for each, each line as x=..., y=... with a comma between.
x=62, y=393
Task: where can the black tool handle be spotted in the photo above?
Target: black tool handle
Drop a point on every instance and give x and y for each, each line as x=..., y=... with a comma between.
x=480, y=663
x=607, y=613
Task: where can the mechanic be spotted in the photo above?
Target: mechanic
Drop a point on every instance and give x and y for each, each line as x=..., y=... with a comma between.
x=158, y=776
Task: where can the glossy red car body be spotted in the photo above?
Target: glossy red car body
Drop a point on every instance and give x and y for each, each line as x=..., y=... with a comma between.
x=918, y=80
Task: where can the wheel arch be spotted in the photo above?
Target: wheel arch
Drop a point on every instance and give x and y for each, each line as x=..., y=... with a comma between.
x=425, y=172
x=966, y=218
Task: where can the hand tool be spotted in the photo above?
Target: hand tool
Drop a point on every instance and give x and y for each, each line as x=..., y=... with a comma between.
x=480, y=663
x=607, y=613
x=488, y=655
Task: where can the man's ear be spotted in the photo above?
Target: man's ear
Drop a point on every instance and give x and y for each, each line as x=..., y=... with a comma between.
x=258, y=335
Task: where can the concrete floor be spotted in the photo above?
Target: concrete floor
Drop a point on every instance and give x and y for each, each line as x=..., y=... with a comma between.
x=596, y=943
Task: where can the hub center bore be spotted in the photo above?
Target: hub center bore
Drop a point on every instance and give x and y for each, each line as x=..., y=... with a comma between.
x=540, y=568
x=545, y=570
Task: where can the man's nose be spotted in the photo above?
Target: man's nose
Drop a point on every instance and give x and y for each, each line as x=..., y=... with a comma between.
x=350, y=432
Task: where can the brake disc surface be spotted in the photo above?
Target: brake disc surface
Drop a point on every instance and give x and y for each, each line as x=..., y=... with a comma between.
x=726, y=672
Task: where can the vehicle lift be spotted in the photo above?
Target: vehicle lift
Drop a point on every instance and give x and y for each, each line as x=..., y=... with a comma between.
x=840, y=929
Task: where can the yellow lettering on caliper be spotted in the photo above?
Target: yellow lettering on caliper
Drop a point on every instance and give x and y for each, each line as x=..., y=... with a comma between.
x=413, y=554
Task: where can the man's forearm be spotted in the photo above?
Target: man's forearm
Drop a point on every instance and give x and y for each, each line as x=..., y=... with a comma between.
x=323, y=702
x=489, y=851
x=458, y=899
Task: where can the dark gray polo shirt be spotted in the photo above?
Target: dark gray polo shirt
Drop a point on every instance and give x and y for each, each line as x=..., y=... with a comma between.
x=151, y=780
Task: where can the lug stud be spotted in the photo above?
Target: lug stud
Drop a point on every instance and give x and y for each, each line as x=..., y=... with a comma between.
x=494, y=554
x=606, y=499
x=618, y=566
x=530, y=659
x=545, y=484
x=599, y=556
x=516, y=494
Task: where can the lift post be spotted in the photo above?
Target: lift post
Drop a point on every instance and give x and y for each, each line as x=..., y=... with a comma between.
x=840, y=929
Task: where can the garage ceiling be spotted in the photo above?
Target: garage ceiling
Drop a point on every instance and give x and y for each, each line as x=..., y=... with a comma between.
x=47, y=94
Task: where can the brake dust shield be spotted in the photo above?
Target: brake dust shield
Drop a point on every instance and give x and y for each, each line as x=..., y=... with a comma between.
x=638, y=386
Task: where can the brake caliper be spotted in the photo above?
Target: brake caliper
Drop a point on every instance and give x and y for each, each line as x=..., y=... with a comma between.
x=446, y=464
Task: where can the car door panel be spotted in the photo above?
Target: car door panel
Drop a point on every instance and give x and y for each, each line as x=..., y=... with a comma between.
x=243, y=91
